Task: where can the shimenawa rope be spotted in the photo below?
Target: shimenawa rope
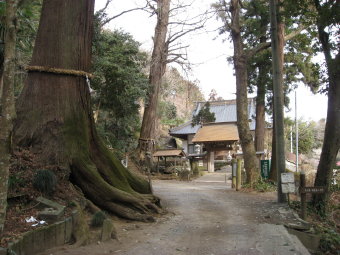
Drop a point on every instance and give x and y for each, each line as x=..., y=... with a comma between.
x=54, y=70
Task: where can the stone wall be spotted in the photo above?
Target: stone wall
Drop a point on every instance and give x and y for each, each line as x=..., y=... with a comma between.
x=43, y=238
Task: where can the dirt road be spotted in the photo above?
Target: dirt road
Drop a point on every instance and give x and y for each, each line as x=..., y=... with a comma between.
x=206, y=218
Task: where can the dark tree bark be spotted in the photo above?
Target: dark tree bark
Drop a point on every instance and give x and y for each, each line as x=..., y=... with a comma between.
x=331, y=143
x=157, y=69
x=273, y=168
x=55, y=119
x=240, y=65
x=277, y=37
x=260, y=110
x=7, y=110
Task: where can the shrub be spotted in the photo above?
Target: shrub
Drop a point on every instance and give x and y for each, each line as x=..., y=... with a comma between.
x=262, y=186
x=15, y=181
x=98, y=219
x=45, y=181
x=330, y=241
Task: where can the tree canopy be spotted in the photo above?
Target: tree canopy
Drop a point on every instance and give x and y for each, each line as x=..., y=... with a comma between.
x=120, y=84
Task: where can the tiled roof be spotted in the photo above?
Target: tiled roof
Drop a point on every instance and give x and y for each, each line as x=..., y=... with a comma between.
x=225, y=111
x=185, y=128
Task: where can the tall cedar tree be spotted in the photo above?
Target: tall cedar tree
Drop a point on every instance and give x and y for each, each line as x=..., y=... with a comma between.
x=157, y=69
x=240, y=65
x=277, y=38
x=55, y=120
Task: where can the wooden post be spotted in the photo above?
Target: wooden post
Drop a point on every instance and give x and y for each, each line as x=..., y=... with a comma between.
x=238, y=175
x=158, y=165
x=303, y=196
x=233, y=173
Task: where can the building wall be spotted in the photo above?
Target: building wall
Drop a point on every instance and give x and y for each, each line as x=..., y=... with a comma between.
x=185, y=146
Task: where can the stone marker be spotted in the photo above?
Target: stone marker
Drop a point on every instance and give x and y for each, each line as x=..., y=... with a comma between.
x=52, y=212
x=68, y=229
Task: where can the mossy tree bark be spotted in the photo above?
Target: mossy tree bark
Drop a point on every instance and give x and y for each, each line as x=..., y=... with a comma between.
x=7, y=110
x=55, y=119
x=157, y=69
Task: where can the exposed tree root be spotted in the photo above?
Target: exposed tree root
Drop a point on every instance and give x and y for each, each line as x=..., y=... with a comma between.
x=98, y=181
x=81, y=231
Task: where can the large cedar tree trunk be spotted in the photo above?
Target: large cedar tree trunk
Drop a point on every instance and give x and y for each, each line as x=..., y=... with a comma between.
x=7, y=110
x=240, y=64
x=55, y=120
x=157, y=69
x=331, y=143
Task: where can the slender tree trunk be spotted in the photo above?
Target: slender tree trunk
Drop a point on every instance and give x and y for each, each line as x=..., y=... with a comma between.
x=273, y=169
x=55, y=119
x=277, y=53
x=240, y=64
x=331, y=143
x=261, y=92
x=7, y=113
x=260, y=111
x=157, y=69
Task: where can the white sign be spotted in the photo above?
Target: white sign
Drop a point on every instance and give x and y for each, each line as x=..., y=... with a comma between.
x=288, y=187
x=287, y=183
x=287, y=178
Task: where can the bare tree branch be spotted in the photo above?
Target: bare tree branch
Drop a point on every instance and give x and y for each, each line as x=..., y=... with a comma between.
x=266, y=45
x=180, y=34
x=178, y=48
x=120, y=14
x=105, y=7
x=179, y=7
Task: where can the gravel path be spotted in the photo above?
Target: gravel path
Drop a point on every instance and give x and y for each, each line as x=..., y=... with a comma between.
x=206, y=217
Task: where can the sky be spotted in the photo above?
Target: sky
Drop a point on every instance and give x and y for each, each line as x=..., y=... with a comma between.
x=207, y=53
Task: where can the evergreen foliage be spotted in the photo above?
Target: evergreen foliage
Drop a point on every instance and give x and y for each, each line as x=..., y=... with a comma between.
x=299, y=67
x=203, y=116
x=119, y=86
x=168, y=113
x=45, y=181
x=310, y=135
